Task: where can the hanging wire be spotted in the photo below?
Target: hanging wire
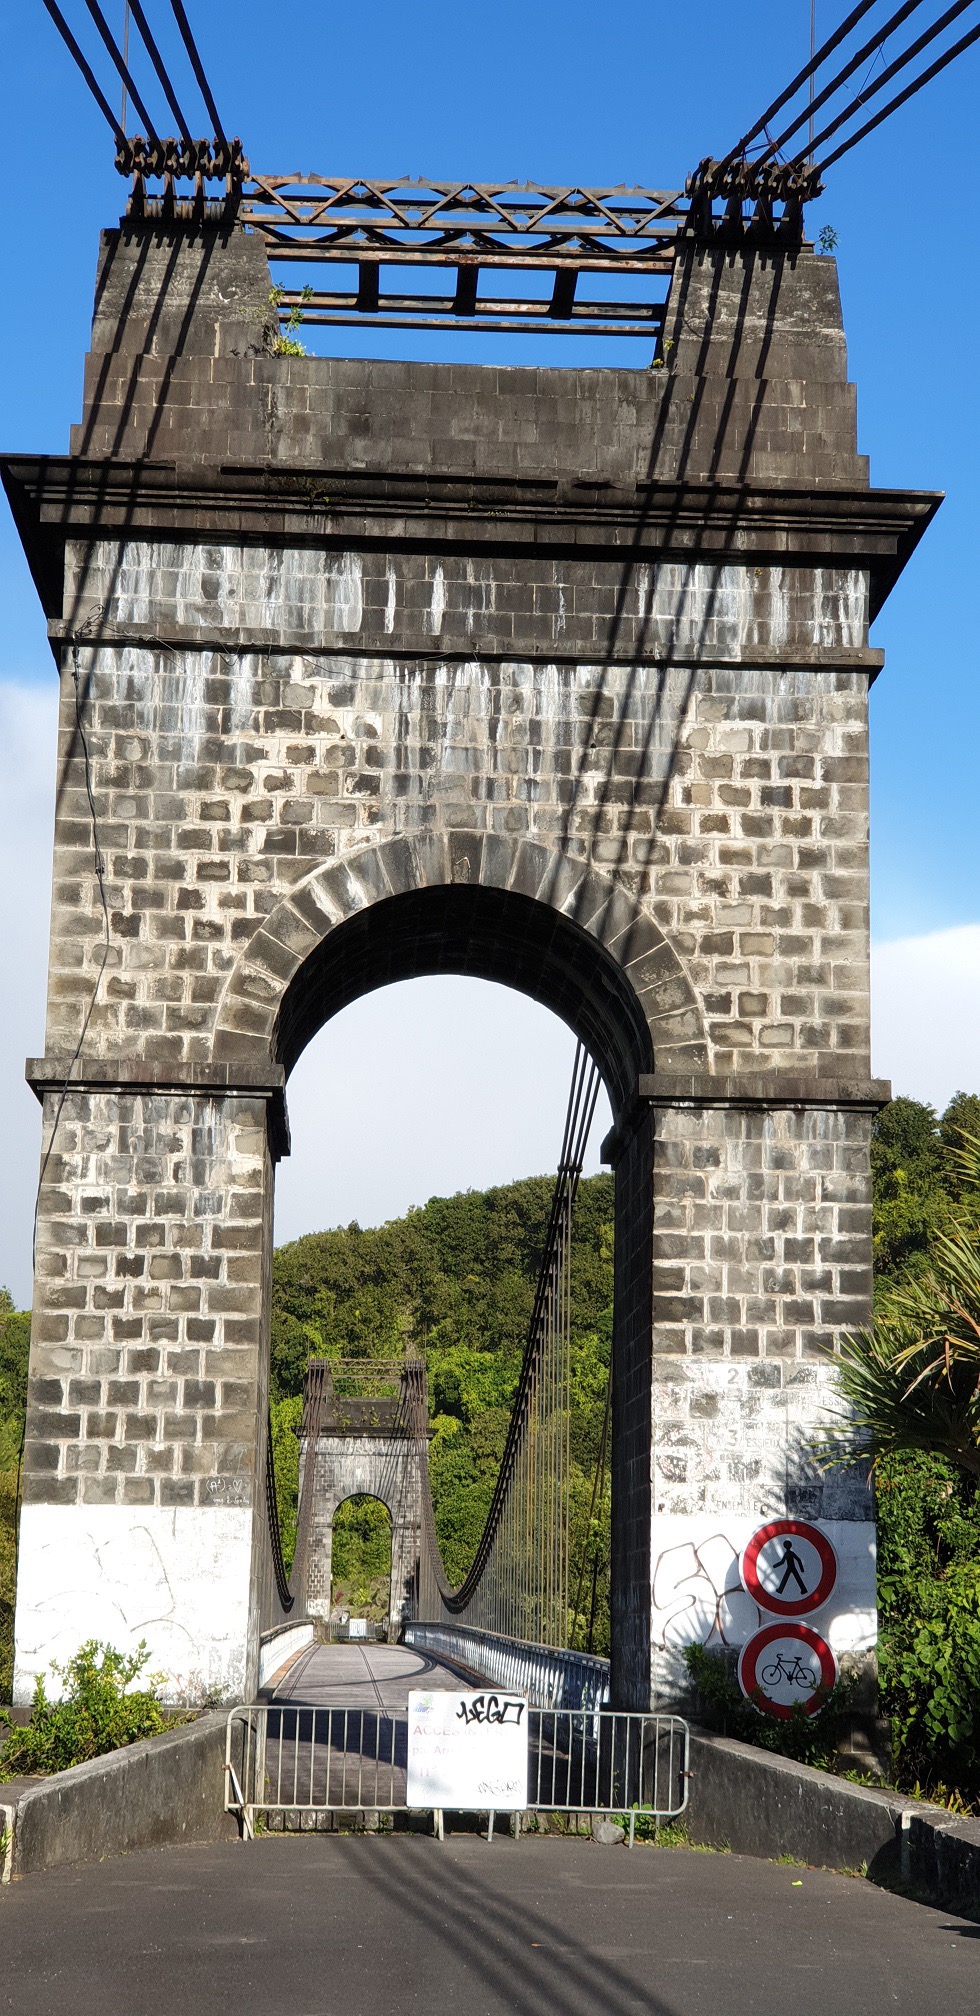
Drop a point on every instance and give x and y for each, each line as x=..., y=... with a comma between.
x=120, y=61
x=518, y=1580
x=827, y=48
x=900, y=63
x=926, y=77
x=597, y=1475
x=123, y=68
x=814, y=103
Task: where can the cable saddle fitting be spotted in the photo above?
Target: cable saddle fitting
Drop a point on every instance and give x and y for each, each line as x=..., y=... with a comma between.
x=172, y=161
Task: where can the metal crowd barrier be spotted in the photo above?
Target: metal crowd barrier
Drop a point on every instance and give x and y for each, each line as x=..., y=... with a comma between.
x=311, y=1761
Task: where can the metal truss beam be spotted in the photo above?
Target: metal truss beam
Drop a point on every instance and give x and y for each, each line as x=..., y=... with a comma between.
x=468, y=229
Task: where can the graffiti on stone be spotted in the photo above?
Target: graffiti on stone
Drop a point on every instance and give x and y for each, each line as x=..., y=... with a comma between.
x=719, y=1585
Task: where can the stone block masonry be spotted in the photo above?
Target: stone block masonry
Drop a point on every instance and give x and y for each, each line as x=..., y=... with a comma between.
x=364, y=1464
x=554, y=677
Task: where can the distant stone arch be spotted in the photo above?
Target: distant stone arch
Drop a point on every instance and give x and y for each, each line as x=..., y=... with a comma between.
x=357, y=1499
x=361, y=1461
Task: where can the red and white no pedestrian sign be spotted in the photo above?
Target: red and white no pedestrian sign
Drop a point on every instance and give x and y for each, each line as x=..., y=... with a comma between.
x=789, y=1567
x=787, y=1666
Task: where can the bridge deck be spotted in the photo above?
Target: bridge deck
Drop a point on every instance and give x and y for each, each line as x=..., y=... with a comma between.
x=360, y=1676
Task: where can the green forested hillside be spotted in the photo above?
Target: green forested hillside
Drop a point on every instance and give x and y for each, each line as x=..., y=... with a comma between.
x=456, y=1280
x=918, y=1187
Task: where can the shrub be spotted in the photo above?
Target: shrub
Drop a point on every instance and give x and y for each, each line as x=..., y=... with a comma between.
x=99, y=1711
x=929, y=1600
x=807, y=1738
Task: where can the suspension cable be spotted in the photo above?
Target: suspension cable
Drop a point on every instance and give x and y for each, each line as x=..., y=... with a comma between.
x=583, y=1095
x=160, y=67
x=198, y=68
x=84, y=66
x=901, y=62
x=122, y=67
x=867, y=49
x=600, y=1465
x=827, y=48
x=902, y=98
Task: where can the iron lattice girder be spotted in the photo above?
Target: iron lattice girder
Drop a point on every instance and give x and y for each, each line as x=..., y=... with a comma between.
x=506, y=314
x=504, y=224
x=468, y=228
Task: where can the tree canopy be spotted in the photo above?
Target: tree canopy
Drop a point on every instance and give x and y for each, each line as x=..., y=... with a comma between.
x=455, y=1279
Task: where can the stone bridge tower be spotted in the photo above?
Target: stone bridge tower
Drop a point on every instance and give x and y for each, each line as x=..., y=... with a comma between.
x=558, y=677
x=365, y=1444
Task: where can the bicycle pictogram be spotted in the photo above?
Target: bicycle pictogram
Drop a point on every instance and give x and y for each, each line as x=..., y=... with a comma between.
x=786, y=1667
x=793, y=1672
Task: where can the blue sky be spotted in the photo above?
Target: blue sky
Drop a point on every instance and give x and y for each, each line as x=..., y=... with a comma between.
x=557, y=93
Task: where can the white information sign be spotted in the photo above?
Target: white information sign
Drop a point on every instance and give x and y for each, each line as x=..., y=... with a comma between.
x=467, y=1752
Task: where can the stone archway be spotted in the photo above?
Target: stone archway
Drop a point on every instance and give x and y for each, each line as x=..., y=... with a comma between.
x=468, y=903
x=359, y=1510
x=562, y=675
x=612, y=977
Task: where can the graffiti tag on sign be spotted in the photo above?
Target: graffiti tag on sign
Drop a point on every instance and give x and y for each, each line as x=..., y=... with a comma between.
x=493, y=1709
x=789, y=1567
x=787, y=1666
x=467, y=1751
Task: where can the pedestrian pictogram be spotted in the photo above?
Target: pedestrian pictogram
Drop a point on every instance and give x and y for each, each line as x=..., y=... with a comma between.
x=787, y=1666
x=789, y=1567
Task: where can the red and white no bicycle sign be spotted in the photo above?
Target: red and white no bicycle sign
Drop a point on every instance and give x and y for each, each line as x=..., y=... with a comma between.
x=789, y=1567
x=786, y=1666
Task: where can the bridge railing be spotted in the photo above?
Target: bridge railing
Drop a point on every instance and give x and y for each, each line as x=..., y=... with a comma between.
x=547, y=1677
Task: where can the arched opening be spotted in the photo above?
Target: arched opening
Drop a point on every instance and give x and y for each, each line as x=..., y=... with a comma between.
x=489, y=934
x=360, y=1566
x=503, y=936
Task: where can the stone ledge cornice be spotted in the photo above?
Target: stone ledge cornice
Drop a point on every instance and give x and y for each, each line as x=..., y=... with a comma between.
x=93, y=633
x=124, y=1074
x=151, y=1077
x=769, y=1092
x=55, y=498
x=766, y=1089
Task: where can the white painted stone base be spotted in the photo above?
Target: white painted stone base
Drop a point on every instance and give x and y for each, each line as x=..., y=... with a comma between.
x=178, y=1577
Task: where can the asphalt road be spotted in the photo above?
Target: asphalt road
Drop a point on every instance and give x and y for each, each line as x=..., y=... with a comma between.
x=387, y=1925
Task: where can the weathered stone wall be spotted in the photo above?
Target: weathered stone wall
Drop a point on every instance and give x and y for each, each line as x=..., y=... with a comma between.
x=761, y=1256
x=148, y=1383
x=556, y=677
x=729, y=804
